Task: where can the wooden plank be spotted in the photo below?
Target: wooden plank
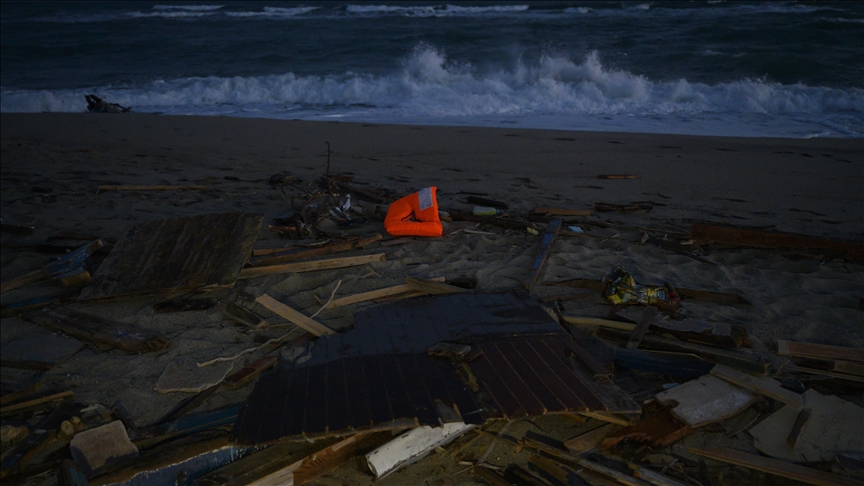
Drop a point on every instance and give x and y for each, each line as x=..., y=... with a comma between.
x=654, y=477
x=549, y=236
x=242, y=315
x=660, y=429
x=607, y=417
x=563, y=212
x=248, y=373
x=432, y=287
x=683, y=293
x=292, y=315
x=763, y=386
x=329, y=458
x=773, y=466
x=36, y=403
x=489, y=476
x=376, y=294
x=798, y=427
x=847, y=367
x=616, y=176
x=818, y=351
x=641, y=328
x=589, y=440
x=133, y=187
x=15, y=396
x=714, y=355
x=312, y=266
x=125, y=337
x=765, y=239
x=319, y=251
x=75, y=261
x=832, y=374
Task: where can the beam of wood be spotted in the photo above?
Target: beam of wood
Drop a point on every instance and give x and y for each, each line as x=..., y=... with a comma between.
x=832, y=374
x=563, y=212
x=316, y=252
x=616, y=176
x=22, y=393
x=818, y=351
x=595, y=321
x=763, y=386
x=776, y=467
x=292, y=315
x=133, y=187
x=242, y=315
x=432, y=287
x=549, y=236
x=591, y=439
x=847, y=367
x=607, y=417
x=685, y=293
x=798, y=427
x=489, y=476
x=714, y=355
x=376, y=294
x=766, y=239
x=36, y=403
x=654, y=477
x=23, y=281
x=251, y=371
x=641, y=328
x=93, y=329
x=312, y=266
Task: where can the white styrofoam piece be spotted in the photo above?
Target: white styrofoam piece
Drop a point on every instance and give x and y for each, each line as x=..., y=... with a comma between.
x=411, y=446
x=706, y=400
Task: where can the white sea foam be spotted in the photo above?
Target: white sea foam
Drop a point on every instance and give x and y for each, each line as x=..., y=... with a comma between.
x=187, y=7
x=429, y=86
x=274, y=12
x=433, y=10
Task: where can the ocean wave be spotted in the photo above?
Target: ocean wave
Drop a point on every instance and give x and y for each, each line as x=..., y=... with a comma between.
x=167, y=14
x=433, y=10
x=428, y=84
x=188, y=7
x=274, y=12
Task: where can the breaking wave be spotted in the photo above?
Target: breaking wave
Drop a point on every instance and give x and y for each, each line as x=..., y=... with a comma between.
x=428, y=85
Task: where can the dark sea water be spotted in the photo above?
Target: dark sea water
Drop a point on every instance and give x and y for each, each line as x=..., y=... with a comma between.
x=788, y=69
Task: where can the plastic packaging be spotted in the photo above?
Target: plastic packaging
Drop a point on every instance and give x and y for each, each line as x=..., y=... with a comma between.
x=620, y=288
x=485, y=211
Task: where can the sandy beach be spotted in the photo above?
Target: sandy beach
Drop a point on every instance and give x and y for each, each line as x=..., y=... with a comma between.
x=52, y=165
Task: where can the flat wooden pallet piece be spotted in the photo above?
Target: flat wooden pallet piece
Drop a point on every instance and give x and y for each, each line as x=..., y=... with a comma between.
x=292, y=315
x=775, y=467
x=177, y=254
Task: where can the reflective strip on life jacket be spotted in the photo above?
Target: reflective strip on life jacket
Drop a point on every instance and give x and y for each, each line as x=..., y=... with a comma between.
x=423, y=207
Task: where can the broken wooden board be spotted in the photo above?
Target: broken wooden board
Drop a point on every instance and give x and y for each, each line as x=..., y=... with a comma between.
x=300, y=267
x=66, y=266
x=563, y=212
x=721, y=334
x=819, y=351
x=683, y=293
x=293, y=316
x=641, y=328
x=765, y=239
x=431, y=287
x=316, y=252
x=834, y=425
x=38, y=351
x=763, y=386
x=250, y=372
x=706, y=400
x=177, y=254
x=681, y=365
x=729, y=358
x=546, y=243
x=589, y=440
x=376, y=294
x=186, y=376
x=775, y=467
x=660, y=429
x=242, y=315
x=92, y=329
x=40, y=403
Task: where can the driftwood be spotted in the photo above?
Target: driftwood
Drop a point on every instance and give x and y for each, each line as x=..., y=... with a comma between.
x=295, y=255
x=312, y=266
x=546, y=243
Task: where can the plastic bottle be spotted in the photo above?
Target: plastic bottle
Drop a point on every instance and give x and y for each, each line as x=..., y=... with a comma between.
x=485, y=211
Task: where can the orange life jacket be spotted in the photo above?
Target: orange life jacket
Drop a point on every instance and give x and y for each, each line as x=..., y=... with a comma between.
x=423, y=206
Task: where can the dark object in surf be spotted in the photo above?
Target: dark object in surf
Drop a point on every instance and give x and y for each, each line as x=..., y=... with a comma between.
x=96, y=104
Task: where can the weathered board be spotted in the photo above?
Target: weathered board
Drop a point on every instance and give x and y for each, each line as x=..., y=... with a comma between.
x=176, y=254
x=93, y=329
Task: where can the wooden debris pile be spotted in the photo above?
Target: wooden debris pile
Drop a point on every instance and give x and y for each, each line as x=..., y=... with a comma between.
x=432, y=367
